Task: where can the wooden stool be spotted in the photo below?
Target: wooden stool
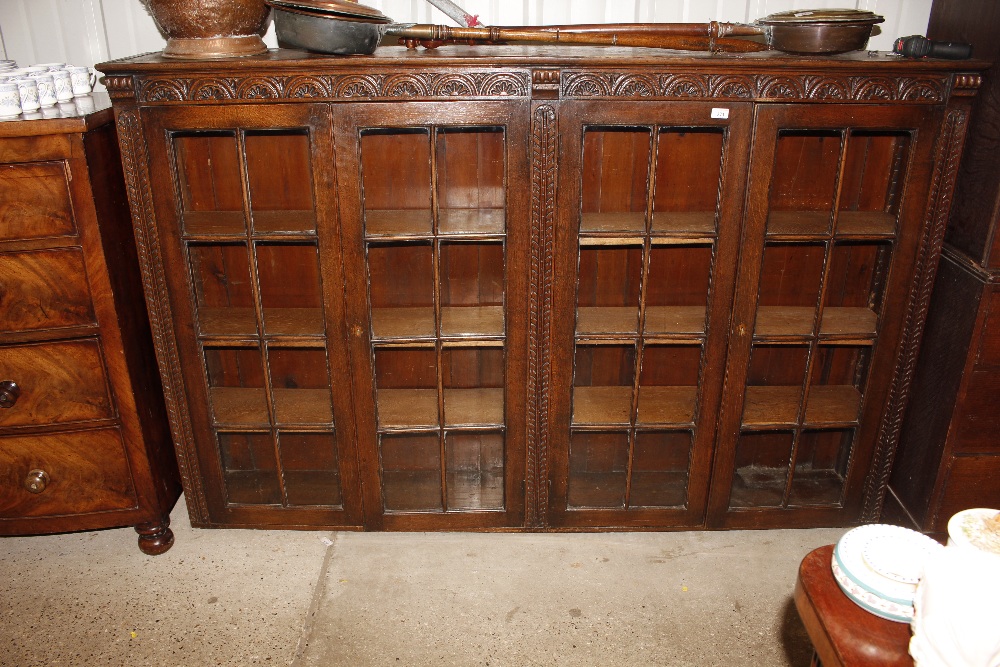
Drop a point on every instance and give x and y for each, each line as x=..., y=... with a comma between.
x=842, y=633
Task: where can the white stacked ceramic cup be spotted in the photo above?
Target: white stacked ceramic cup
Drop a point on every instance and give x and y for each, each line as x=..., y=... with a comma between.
x=10, y=100
x=957, y=605
x=63, y=82
x=28, y=90
x=46, y=89
x=83, y=80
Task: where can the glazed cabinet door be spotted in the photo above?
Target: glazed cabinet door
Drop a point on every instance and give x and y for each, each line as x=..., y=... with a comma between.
x=650, y=210
x=249, y=232
x=434, y=207
x=836, y=208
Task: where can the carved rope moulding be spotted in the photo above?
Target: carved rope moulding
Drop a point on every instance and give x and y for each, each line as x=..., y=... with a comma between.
x=749, y=87
x=498, y=84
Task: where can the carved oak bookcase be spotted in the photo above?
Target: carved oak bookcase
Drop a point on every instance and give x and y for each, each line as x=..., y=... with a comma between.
x=531, y=288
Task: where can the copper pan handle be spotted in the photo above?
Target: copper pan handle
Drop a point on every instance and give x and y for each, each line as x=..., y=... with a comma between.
x=712, y=36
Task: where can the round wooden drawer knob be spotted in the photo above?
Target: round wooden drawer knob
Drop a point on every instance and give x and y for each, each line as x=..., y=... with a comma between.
x=36, y=481
x=9, y=391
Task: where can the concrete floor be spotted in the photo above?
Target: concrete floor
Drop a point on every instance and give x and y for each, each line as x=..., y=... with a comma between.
x=241, y=597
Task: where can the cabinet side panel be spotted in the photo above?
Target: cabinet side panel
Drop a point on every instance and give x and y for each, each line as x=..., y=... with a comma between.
x=972, y=228
x=946, y=163
x=950, y=322
x=971, y=481
x=137, y=182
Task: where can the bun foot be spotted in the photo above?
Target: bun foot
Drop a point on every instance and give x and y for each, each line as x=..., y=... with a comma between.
x=155, y=538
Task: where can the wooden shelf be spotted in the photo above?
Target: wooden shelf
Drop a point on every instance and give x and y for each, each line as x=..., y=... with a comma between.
x=303, y=406
x=798, y=223
x=865, y=223
x=817, y=223
x=418, y=408
x=272, y=222
x=630, y=228
x=667, y=405
x=241, y=322
x=630, y=223
x=457, y=321
x=234, y=223
x=660, y=320
x=860, y=322
x=602, y=406
x=215, y=223
x=471, y=221
x=696, y=223
x=418, y=222
x=473, y=407
x=472, y=321
x=396, y=323
x=241, y=406
x=607, y=320
x=675, y=320
x=612, y=406
x=399, y=222
x=766, y=406
x=833, y=404
x=795, y=321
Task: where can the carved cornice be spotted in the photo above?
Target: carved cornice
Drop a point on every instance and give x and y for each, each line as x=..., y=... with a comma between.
x=947, y=158
x=370, y=86
x=966, y=85
x=543, y=203
x=797, y=87
x=119, y=87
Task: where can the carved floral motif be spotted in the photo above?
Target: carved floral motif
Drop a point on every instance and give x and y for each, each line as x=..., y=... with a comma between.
x=416, y=85
x=830, y=88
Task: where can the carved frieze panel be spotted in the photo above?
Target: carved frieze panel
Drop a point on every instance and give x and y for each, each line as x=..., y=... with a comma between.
x=790, y=87
x=369, y=86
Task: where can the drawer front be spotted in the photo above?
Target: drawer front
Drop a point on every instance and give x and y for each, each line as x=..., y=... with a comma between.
x=64, y=473
x=45, y=289
x=57, y=383
x=34, y=201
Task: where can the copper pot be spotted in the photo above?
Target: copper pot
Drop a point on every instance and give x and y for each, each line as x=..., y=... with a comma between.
x=197, y=29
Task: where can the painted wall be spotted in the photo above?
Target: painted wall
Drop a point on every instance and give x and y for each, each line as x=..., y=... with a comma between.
x=84, y=32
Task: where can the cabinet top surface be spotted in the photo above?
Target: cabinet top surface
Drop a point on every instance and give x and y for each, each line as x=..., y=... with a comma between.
x=78, y=115
x=528, y=56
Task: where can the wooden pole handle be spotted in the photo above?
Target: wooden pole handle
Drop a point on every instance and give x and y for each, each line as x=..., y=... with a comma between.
x=712, y=36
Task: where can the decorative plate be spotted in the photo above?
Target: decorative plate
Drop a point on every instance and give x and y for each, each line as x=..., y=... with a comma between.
x=870, y=602
x=978, y=528
x=899, y=553
x=883, y=543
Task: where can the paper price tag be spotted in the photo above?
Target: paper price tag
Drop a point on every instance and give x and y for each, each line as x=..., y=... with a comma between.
x=720, y=113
